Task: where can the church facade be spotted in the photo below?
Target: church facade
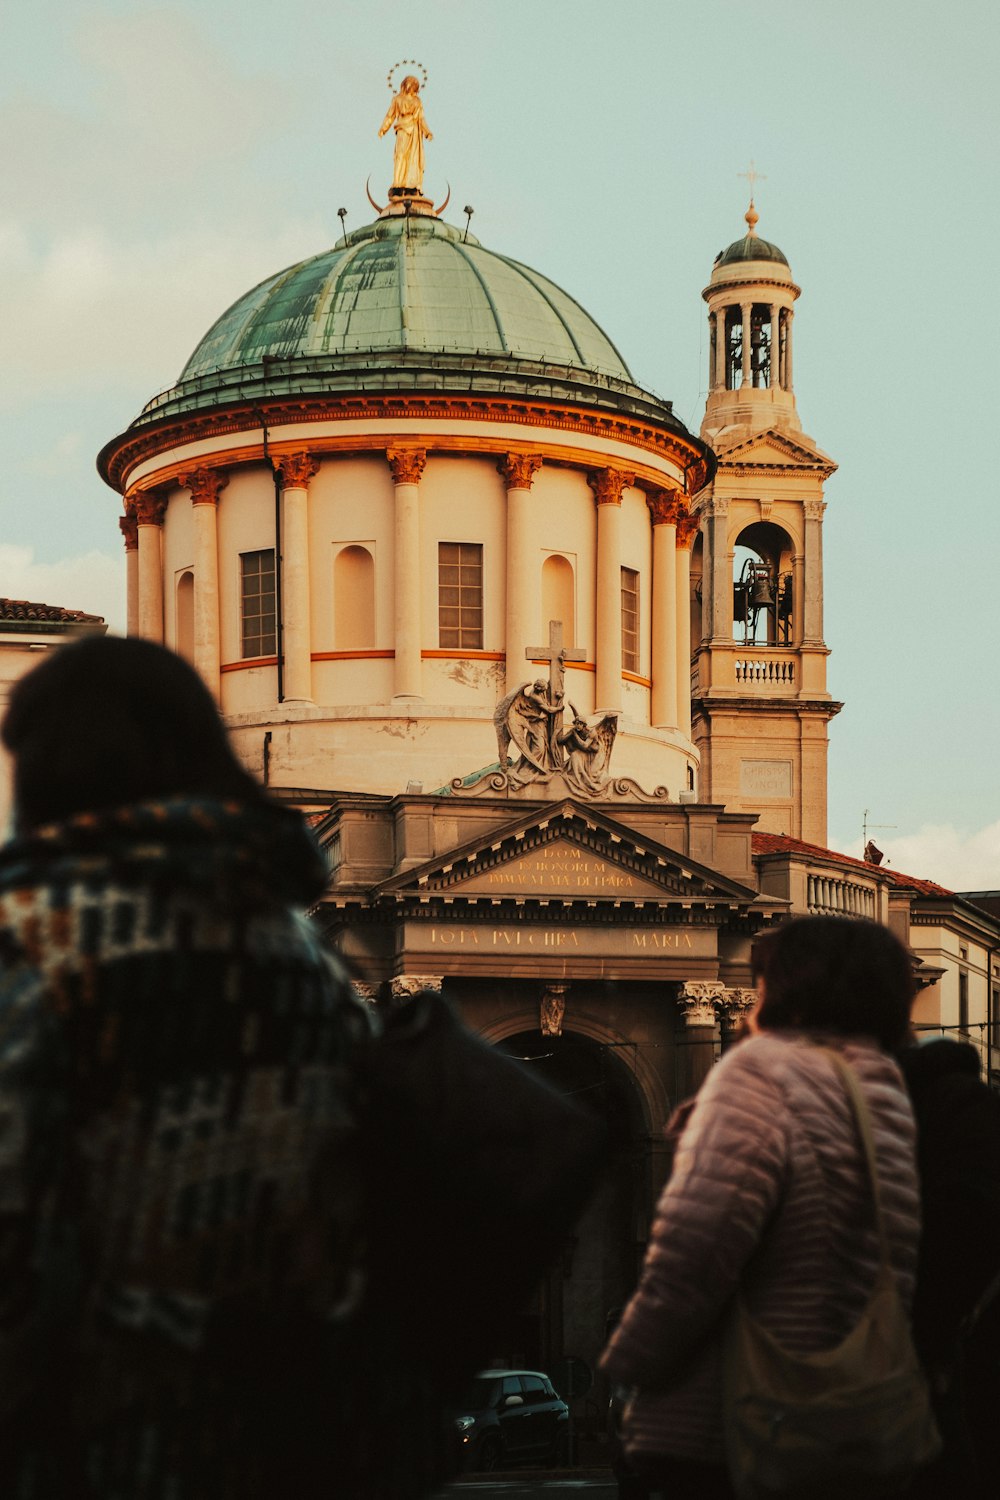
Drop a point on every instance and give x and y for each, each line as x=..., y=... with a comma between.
x=538, y=661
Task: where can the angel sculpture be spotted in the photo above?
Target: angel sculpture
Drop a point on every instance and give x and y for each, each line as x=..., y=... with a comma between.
x=529, y=718
x=588, y=752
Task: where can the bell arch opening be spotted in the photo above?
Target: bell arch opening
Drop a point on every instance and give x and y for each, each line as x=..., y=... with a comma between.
x=763, y=591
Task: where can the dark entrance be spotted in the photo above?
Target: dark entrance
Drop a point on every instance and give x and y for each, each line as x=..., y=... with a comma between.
x=598, y=1269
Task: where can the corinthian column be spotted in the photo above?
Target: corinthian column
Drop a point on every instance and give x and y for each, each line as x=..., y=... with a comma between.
x=206, y=485
x=407, y=465
x=129, y=528
x=150, y=509
x=607, y=485
x=296, y=470
x=697, y=1002
x=519, y=470
x=687, y=530
x=663, y=698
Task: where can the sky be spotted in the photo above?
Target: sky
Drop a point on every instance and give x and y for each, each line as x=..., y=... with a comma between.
x=160, y=159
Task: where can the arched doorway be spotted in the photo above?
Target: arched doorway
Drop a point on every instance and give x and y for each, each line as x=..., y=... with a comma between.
x=598, y=1269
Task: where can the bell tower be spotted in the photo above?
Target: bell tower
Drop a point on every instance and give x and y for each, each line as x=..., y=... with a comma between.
x=760, y=706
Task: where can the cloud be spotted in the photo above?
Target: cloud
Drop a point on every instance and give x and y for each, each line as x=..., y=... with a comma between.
x=86, y=308
x=93, y=582
x=953, y=857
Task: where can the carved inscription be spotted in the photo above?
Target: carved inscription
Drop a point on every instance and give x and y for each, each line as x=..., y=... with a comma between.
x=559, y=869
x=765, y=778
x=488, y=943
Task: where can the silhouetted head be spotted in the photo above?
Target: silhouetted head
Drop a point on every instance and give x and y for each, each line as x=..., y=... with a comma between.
x=834, y=974
x=105, y=722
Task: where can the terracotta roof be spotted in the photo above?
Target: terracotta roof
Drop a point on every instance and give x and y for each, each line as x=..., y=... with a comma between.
x=48, y=614
x=780, y=843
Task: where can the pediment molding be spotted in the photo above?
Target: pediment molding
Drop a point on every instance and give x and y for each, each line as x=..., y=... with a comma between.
x=563, y=854
x=776, y=451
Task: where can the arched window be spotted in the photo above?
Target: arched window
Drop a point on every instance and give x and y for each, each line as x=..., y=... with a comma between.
x=559, y=595
x=184, y=620
x=762, y=586
x=354, y=599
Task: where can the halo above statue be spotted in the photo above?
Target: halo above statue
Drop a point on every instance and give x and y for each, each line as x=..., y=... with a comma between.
x=408, y=62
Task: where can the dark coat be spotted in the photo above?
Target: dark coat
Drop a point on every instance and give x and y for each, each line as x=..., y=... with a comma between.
x=181, y=1222
x=958, y=1125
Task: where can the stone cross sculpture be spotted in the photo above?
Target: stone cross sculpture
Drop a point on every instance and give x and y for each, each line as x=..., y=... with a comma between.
x=532, y=719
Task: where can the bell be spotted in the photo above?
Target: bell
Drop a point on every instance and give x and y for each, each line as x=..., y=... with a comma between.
x=761, y=596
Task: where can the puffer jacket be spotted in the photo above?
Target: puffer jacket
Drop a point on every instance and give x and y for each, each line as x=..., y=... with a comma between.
x=769, y=1194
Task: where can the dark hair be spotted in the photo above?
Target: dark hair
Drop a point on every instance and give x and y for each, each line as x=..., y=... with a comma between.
x=105, y=722
x=835, y=974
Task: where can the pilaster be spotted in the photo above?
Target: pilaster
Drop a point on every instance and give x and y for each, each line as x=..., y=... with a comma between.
x=518, y=471
x=150, y=510
x=295, y=470
x=608, y=485
x=206, y=485
x=407, y=466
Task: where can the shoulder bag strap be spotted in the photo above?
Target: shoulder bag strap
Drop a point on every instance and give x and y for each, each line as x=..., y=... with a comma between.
x=863, y=1119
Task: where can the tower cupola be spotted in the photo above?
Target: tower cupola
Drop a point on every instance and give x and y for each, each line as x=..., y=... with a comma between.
x=750, y=298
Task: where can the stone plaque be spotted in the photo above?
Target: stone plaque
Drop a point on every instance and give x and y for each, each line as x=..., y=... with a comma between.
x=765, y=778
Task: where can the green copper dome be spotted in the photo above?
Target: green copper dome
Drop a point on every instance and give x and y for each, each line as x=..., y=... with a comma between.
x=750, y=247
x=415, y=285
x=406, y=305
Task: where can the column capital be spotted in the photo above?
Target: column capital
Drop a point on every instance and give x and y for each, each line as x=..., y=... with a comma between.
x=407, y=464
x=688, y=527
x=405, y=986
x=664, y=507
x=814, y=509
x=519, y=469
x=150, y=507
x=607, y=485
x=296, y=469
x=718, y=505
x=205, y=485
x=129, y=528
x=368, y=992
x=736, y=1005
x=697, y=1000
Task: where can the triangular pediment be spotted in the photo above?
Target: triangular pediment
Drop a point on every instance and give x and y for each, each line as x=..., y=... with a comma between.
x=565, y=853
x=772, y=449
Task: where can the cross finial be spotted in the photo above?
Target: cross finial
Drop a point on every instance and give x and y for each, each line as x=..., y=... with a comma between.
x=753, y=177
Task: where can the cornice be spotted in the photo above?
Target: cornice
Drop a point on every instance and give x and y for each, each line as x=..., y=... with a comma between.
x=771, y=706
x=136, y=445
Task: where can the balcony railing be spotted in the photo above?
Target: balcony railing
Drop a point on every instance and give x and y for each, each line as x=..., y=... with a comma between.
x=839, y=897
x=765, y=671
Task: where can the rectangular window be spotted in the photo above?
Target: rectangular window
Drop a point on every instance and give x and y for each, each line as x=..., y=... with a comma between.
x=995, y=1018
x=963, y=1003
x=630, y=620
x=257, y=612
x=460, y=596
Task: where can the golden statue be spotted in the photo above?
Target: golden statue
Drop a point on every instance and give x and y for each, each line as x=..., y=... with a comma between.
x=406, y=117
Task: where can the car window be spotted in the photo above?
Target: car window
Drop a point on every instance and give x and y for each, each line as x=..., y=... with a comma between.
x=511, y=1386
x=534, y=1389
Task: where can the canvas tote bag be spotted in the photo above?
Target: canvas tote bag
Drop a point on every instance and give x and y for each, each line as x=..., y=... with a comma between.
x=854, y=1420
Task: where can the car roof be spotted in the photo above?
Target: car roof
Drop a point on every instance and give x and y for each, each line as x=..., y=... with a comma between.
x=497, y=1374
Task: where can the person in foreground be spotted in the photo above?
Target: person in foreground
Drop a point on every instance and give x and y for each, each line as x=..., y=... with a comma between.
x=769, y=1202
x=181, y=1239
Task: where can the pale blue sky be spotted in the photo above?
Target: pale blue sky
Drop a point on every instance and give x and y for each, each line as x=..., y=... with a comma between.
x=160, y=159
